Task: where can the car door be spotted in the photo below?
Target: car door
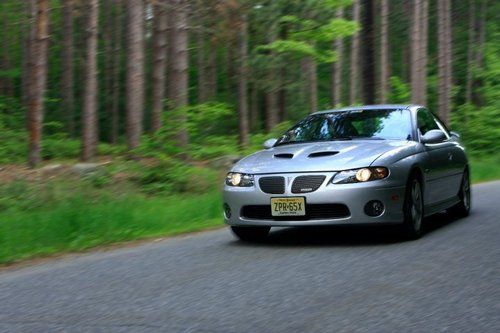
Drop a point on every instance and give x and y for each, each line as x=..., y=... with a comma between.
x=437, y=162
x=457, y=159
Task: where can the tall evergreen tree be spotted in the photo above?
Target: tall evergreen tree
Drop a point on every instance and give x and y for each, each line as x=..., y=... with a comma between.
x=38, y=80
x=89, y=117
x=135, y=71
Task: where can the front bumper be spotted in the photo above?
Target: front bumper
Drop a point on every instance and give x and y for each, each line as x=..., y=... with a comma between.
x=354, y=196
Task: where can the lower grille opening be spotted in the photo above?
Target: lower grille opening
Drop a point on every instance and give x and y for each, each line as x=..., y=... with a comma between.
x=313, y=212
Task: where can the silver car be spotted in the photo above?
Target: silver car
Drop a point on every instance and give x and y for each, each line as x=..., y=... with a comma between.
x=381, y=164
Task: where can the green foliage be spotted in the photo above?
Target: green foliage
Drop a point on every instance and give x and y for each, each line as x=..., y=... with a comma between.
x=400, y=92
x=66, y=219
x=175, y=176
x=480, y=125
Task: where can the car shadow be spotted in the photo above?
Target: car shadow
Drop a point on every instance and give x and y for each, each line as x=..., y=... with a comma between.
x=360, y=235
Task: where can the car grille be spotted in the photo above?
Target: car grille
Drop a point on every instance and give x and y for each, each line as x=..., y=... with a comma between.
x=307, y=184
x=313, y=212
x=272, y=185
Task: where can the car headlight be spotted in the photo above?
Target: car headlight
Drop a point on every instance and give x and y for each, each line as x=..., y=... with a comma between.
x=360, y=175
x=239, y=179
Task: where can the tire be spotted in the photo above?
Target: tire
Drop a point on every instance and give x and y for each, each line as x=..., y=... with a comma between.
x=413, y=209
x=251, y=234
x=462, y=208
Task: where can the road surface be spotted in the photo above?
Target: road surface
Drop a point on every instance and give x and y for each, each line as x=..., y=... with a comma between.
x=321, y=280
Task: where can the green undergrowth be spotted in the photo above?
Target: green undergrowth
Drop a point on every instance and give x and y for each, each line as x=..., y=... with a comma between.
x=83, y=219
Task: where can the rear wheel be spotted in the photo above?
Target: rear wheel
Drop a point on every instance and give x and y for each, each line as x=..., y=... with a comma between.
x=251, y=234
x=413, y=209
x=462, y=208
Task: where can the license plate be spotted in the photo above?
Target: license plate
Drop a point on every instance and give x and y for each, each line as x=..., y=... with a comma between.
x=288, y=206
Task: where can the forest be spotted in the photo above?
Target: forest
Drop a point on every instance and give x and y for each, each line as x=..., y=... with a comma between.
x=158, y=97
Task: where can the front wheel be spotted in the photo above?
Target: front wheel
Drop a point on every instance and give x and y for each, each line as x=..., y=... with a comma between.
x=413, y=209
x=462, y=208
x=251, y=234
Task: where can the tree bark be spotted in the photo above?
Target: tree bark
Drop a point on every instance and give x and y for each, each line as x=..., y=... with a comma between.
x=479, y=58
x=254, y=107
x=470, y=50
x=444, y=60
x=179, y=70
x=242, y=42
x=115, y=105
x=271, y=95
x=159, y=62
x=419, y=39
x=354, y=84
x=338, y=46
x=415, y=38
x=89, y=113
x=107, y=38
x=368, y=59
x=424, y=23
x=67, y=83
x=201, y=63
x=135, y=72
x=28, y=38
x=38, y=81
x=384, y=51
x=312, y=83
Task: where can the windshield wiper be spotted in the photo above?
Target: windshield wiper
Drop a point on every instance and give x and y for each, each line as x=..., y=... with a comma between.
x=341, y=138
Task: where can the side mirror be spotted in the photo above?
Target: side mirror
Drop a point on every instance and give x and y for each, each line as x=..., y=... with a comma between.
x=270, y=143
x=455, y=134
x=433, y=136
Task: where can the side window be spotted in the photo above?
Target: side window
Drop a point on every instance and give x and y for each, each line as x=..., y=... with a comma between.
x=425, y=121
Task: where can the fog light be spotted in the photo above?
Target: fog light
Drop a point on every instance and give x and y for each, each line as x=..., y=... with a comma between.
x=374, y=208
x=227, y=211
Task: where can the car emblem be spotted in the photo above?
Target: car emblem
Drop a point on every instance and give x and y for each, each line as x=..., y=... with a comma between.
x=306, y=189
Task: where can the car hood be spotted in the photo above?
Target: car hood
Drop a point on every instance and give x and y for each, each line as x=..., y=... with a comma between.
x=317, y=156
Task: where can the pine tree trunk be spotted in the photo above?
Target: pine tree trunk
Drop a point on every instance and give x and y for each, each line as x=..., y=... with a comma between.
x=89, y=113
x=201, y=64
x=135, y=72
x=312, y=83
x=107, y=96
x=243, y=82
x=271, y=118
x=115, y=105
x=354, y=80
x=338, y=46
x=384, y=51
x=254, y=107
x=470, y=50
x=159, y=62
x=38, y=81
x=424, y=28
x=444, y=60
x=179, y=70
x=415, y=38
x=67, y=90
x=29, y=36
x=479, y=61
x=368, y=59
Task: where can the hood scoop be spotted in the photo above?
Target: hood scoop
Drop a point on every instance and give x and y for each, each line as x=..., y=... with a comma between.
x=283, y=155
x=323, y=154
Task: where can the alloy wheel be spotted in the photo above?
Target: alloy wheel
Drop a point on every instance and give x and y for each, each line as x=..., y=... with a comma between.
x=416, y=205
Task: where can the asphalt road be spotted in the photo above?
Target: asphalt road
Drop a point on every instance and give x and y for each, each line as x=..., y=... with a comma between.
x=321, y=280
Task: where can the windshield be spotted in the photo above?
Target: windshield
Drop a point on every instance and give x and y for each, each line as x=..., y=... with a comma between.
x=349, y=125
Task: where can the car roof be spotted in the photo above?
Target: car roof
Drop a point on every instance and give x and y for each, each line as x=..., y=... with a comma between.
x=372, y=107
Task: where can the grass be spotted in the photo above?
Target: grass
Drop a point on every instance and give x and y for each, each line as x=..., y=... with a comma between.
x=485, y=168
x=81, y=221
x=64, y=215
